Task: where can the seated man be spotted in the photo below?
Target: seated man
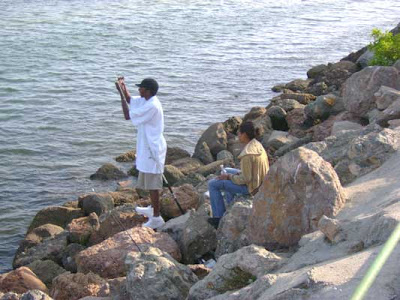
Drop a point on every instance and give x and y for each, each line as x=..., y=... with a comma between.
x=254, y=167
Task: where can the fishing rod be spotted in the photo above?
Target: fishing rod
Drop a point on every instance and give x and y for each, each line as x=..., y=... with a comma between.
x=124, y=229
x=119, y=88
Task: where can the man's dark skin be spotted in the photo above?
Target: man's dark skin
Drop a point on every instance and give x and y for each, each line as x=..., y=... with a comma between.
x=147, y=94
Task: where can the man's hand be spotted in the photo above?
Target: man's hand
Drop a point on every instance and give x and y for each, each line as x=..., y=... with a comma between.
x=223, y=177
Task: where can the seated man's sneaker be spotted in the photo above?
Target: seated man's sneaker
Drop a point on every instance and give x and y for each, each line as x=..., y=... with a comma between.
x=145, y=211
x=154, y=222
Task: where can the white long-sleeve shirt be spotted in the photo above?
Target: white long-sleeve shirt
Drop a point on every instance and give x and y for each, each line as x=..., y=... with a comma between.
x=151, y=147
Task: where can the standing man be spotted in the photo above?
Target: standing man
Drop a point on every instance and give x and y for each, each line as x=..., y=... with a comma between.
x=146, y=113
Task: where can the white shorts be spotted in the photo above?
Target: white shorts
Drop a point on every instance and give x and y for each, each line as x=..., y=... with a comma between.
x=149, y=181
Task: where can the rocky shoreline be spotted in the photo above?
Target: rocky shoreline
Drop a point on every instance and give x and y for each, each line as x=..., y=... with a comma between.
x=329, y=202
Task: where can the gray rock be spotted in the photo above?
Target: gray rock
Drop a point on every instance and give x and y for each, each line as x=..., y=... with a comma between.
x=294, y=145
x=175, y=153
x=68, y=256
x=316, y=71
x=298, y=85
x=278, y=118
x=214, y=167
x=50, y=248
x=318, y=89
x=37, y=235
x=108, y=172
x=302, y=98
x=397, y=65
x=356, y=153
x=35, y=295
x=187, y=165
x=193, y=179
x=198, y=237
x=358, y=91
x=231, y=233
x=329, y=227
x=224, y=154
x=216, y=139
x=127, y=157
x=57, y=215
x=174, y=227
x=300, y=188
x=203, y=153
x=232, y=124
x=173, y=174
x=254, y=113
x=385, y=96
x=46, y=270
x=364, y=60
x=278, y=139
x=321, y=108
x=234, y=271
x=390, y=113
x=339, y=127
x=154, y=274
x=98, y=203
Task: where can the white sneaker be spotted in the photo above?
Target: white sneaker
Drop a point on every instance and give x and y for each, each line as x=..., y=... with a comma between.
x=154, y=222
x=145, y=211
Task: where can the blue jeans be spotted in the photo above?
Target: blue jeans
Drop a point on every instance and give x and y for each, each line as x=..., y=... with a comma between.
x=216, y=187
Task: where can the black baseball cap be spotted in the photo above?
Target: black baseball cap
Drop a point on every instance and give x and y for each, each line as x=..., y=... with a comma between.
x=149, y=84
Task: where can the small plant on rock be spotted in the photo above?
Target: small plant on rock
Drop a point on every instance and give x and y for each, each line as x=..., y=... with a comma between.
x=386, y=48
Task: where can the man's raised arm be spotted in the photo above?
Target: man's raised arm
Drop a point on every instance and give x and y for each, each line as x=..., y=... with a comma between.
x=125, y=96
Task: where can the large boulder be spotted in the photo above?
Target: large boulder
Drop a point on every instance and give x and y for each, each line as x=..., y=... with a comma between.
x=296, y=122
x=254, y=113
x=172, y=174
x=124, y=195
x=107, y=258
x=50, y=248
x=108, y=172
x=114, y=221
x=37, y=235
x=278, y=118
x=20, y=281
x=214, y=167
x=98, y=203
x=154, y=274
x=215, y=137
x=385, y=96
x=198, y=237
x=203, y=153
x=234, y=271
x=358, y=91
x=300, y=188
x=68, y=256
x=298, y=85
x=76, y=286
x=323, y=107
x=390, y=113
x=175, y=153
x=261, y=120
x=276, y=140
x=186, y=196
x=232, y=124
x=187, y=165
x=231, y=233
x=57, y=215
x=46, y=270
x=81, y=229
x=357, y=152
x=193, y=179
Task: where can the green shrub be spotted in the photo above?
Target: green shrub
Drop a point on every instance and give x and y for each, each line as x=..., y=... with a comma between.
x=386, y=48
